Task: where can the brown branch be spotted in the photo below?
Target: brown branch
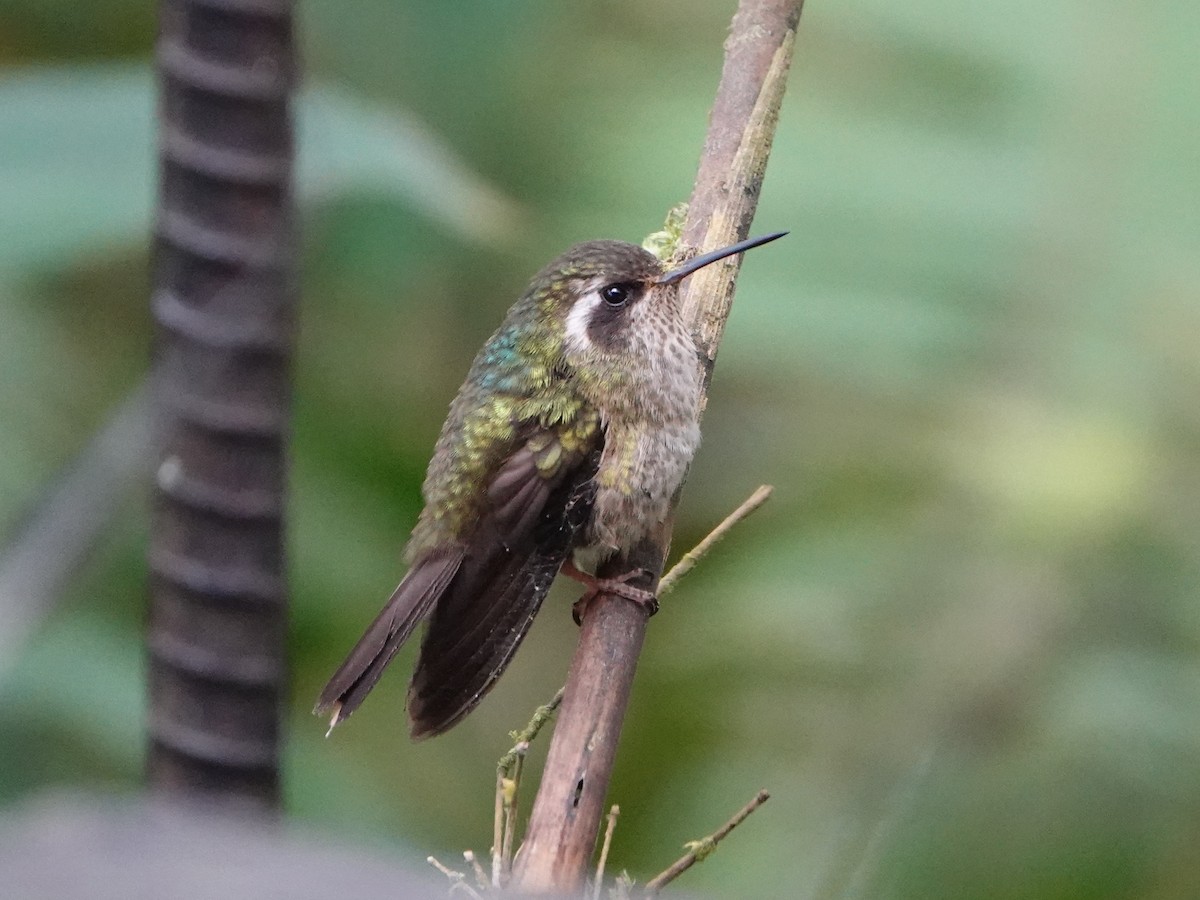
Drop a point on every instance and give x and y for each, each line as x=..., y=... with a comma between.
x=565, y=821
x=699, y=850
x=223, y=304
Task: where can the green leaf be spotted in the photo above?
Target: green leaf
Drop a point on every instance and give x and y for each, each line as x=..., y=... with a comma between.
x=64, y=127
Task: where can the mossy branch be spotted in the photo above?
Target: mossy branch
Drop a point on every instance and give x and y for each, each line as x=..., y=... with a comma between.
x=700, y=850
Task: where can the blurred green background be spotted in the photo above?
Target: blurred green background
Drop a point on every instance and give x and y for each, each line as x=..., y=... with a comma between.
x=961, y=646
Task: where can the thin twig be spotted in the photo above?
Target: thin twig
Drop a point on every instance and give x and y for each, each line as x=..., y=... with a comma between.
x=511, y=787
x=498, y=829
x=508, y=776
x=64, y=525
x=688, y=561
x=458, y=881
x=481, y=878
x=622, y=889
x=608, y=836
x=541, y=716
x=699, y=850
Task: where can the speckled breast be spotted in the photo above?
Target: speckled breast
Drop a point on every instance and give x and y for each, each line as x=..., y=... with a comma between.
x=652, y=432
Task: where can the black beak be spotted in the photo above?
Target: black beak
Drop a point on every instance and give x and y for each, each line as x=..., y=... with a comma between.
x=712, y=256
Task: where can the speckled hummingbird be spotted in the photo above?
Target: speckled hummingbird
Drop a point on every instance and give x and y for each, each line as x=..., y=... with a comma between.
x=563, y=448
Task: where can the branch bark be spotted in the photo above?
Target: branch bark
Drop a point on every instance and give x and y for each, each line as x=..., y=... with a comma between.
x=223, y=305
x=566, y=814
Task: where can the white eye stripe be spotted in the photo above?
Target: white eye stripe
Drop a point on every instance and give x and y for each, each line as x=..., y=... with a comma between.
x=580, y=317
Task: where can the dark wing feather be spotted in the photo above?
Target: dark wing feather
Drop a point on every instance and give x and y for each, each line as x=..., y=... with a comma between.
x=514, y=555
x=408, y=605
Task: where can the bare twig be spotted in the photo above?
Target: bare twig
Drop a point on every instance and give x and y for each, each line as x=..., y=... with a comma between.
x=563, y=826
x=699, y=850
x=458, y=881
x=607, y=845
x=505, y=817
x=481, y=877
x=498, y=829
x=688, y=561
x=511, y=787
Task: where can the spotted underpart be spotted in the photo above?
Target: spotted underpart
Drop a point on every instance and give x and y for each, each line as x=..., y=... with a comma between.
x=638, y=365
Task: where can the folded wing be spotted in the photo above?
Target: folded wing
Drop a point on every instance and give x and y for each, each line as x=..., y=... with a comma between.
x=480, y=595
x=535, y=515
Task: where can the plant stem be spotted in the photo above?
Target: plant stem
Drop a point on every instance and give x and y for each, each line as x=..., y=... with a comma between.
x=700, y=850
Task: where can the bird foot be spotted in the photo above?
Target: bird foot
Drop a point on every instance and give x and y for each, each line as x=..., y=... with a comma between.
x=618, y=586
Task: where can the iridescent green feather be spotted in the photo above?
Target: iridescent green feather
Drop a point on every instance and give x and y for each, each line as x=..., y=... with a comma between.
x=510, y=398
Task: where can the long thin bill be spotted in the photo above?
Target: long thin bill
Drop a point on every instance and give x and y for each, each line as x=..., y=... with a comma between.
x=712, y=256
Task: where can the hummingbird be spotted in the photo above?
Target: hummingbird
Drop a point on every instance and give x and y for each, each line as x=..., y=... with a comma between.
x=562, y=449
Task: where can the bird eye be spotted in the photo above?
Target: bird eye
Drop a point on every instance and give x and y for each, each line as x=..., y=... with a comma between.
x=615, y=294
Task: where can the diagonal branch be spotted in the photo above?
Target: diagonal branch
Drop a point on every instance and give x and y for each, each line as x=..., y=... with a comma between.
x=700, y=850
x=566, y=815
x=688, y=561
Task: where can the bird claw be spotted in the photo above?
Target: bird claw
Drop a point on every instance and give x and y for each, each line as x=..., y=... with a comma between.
x=618, y=586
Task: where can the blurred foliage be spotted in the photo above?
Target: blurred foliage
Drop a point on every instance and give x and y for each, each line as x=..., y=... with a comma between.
x=961, y=646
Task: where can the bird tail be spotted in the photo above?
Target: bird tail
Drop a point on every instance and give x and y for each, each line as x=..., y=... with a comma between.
x=409, y=604
x=486, y=611
x=474, y=631
x=480, y=599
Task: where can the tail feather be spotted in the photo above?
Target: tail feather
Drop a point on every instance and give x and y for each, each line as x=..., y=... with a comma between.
x=480, y=597
x=478, y=625
x=408, y=605
x=462, y=656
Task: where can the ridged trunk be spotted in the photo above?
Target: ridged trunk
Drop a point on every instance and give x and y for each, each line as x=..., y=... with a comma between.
x=223, y=303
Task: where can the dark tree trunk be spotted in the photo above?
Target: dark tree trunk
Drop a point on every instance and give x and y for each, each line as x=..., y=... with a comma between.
x=223, y=302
